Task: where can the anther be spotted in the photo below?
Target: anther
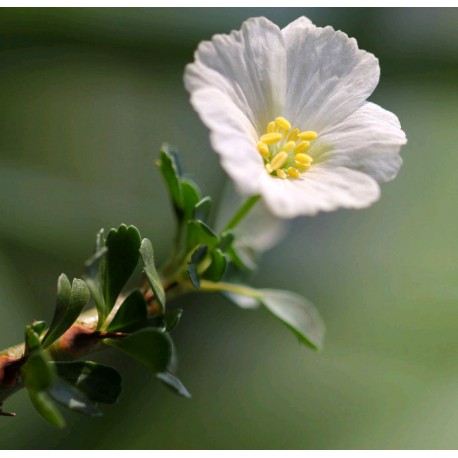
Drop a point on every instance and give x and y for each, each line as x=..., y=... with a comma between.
x=264, y=150
x=303, y=160
x=308, y=135
x=283, y=123
x=278, y=160
x=271, y=127
x=292, y=136
x=281, y=174
x=293, y=172
x=302, y=147
x=289, y=146
x=272, y=137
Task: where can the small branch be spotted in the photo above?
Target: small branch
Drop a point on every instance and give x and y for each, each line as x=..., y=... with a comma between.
x=79, y=340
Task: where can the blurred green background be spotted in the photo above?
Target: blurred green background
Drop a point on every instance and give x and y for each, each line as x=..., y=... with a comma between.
x=88, y=96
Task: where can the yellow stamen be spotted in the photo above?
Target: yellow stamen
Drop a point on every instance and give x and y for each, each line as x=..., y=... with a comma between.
x=272, y=137
x=264, y=150
x=278, y=160
x=271, y=127
x=301, y=147
x=303, y=158
x=293, y=172
x=283, y=123
x=292, y=136
x=269, y=168
x=281, y=174
x=289, y=146
x=308, y=135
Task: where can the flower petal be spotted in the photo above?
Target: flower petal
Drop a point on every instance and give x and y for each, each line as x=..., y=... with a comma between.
x=321, y=188
x=248, y=65
x=369, y=140
x=232, y=137
x=328, y=76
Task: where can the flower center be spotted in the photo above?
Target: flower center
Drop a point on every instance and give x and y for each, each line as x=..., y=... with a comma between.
x=284, y=149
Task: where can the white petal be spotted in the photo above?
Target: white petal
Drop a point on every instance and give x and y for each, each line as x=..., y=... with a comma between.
x=232, y=136
x=321, y=188
x=248, y=65
x=328, y=76
x=369, y=140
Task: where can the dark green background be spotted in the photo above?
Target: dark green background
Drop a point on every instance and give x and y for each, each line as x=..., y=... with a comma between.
x=88, y=96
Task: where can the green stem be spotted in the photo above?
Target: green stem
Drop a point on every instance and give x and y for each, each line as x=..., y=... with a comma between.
x=242, y=212
x=206, y=285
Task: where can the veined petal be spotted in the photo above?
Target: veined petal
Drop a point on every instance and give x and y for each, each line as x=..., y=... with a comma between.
x=328, y=77
x=321, y=188
x=369, y=140
x=248, y=65
x=232, y=136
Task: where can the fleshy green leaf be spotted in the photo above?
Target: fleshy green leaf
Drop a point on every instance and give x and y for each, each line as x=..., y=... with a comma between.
x=98, y=382
x=73, y=399
x=170, y=172
x=196, y=258
x=199, y=233
x=123, y=252
x=38, y=327
x=46, y=408
x=172, y=318
x=148, y=346
x=242, y=257
x=132, y=314
x=173, y=383
x=226, y=240
x=217, y=268
x=32, y=339
x=96, y=275
x=68, y=307
x=297, y=313
x=191, y=196
x=244, y=302
x=202, y=209
x=38, y=372
x=147, y=254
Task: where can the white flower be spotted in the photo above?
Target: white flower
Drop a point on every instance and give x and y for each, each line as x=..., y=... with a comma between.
x=288, y=115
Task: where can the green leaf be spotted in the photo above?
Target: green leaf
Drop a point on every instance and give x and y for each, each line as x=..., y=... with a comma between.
x=169, y=170
x=32, y=339
x=38, y=327
x=98, y=382
x=243, y=257
x=132, y=314
x=196, y=258
x=173, y=383
x=172, y=319
x=147, y=254
x=96, y=275
x=202, y=209
x=217, y=268
x=148, y=346
x=70, y=397
x=38, y=372
x=46, y=408
x=68, y=307
x=244, y=302
x=297, y=313
x=199, y=233
x=191, y=196
x=123, y=252
x=226, y=240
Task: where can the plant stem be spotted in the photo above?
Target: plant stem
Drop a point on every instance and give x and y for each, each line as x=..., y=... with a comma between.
x=242, y=212
x=206, y=285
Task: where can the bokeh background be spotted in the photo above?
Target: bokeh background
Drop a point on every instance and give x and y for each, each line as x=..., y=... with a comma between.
x=88, y=96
